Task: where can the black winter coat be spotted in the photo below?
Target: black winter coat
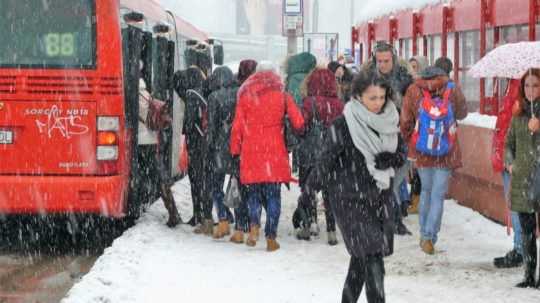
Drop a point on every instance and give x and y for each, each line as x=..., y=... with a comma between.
x=363, y=212
x=195, y=110
x=221, y=108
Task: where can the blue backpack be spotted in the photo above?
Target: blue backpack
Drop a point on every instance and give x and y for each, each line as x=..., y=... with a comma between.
x=435, y=130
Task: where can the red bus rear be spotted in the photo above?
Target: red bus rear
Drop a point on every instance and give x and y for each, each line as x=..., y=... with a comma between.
x=66, y=115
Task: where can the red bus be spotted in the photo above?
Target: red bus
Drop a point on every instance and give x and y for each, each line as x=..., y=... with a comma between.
x=464, y=31
x=69, y=74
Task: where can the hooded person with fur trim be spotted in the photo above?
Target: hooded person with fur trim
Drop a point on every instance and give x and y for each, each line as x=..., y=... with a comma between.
x=257, y=136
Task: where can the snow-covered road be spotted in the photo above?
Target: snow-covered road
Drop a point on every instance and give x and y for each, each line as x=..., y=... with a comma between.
x=152, y=263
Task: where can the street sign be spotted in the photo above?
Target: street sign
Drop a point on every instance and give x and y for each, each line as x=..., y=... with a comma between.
x=293, y=18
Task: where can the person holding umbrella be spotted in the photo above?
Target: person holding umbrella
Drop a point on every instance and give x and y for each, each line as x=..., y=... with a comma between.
x=522, y=148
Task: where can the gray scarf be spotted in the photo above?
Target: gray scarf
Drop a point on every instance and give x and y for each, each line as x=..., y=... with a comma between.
x=362, y=126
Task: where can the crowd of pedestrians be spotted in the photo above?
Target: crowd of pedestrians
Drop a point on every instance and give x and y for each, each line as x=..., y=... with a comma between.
x=378, y=145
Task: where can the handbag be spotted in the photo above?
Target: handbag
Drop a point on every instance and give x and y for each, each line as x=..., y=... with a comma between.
x=232, y=197
x=533, y=192
x=158, y=117
x=291, y=141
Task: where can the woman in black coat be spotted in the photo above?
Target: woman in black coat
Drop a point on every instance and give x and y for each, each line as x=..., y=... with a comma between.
x=361, y=150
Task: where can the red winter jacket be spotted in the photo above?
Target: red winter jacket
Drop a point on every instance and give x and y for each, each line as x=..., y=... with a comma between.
x=503, y=123
x=321, y=89
x=257, y=134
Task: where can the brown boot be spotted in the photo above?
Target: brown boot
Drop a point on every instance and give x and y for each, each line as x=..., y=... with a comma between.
x=413, y=208
x=427, y=247
x=253, y=235
x=237, y=237
x=206, y=227
x=222, y=230
x=170, y=205
x=271, y=245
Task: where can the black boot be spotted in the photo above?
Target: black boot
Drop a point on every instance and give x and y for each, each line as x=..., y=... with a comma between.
x=529, y=258
x=399, y=227
x=511, y=259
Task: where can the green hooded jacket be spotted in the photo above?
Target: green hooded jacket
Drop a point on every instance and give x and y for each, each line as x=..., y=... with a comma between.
x=522, y=149
x=298, y=67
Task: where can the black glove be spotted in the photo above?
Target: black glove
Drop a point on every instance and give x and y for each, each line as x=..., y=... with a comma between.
x=384, y=160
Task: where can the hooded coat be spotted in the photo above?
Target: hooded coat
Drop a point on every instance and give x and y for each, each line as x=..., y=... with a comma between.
x=522, y=149
x=258, y=129
x=409, y=116
x=298, y=67
x=321, y=104
x=221, y=107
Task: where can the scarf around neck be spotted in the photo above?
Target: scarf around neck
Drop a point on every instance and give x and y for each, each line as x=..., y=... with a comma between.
x=372, y=134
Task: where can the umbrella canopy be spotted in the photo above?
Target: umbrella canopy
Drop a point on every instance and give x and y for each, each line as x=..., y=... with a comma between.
x=508, y=61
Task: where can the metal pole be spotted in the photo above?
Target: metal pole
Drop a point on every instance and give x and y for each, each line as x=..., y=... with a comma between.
x=292, y=45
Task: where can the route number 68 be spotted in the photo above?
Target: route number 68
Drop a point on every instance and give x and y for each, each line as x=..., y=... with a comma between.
x=58, y=44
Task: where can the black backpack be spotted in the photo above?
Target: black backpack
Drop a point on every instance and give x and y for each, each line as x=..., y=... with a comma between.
x=310, y=149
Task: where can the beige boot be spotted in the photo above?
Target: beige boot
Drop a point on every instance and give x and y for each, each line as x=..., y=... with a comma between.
x=271, y=245
x=413, y=208
x=222, y=230
x=206, y=227
x=253, y=235
x=237, y=237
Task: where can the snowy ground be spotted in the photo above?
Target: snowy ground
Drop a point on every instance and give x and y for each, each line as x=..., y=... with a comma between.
x=151, y=263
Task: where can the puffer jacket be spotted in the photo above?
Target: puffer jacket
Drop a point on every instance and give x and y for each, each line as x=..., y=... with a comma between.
x=257, y=134
x=221, y=107
x=522, y=149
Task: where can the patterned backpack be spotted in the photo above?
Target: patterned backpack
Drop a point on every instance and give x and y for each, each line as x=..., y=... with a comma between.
x=435, y=130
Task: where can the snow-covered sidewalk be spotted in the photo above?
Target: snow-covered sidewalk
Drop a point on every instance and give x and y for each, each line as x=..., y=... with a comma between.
x=152, y=263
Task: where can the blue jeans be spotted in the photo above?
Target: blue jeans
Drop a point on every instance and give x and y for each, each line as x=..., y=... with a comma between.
x=516, y=226
x=217, y=196
x=241, y=222
x=271, y=192
x=434, y=188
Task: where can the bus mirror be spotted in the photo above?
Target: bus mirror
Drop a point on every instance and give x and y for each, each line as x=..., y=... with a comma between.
x=133, y=17
x=160, y=29
x=218, y=54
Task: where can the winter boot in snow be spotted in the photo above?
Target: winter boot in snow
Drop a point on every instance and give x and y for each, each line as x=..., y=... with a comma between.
x=529, y=258
x=170, y=205
x=427, y=247
x=314, y=229
x=413, y=208
x=222, y=229
x=332, y=239
x=253, y=235
x=511, y=259
x=399, y=227
x=404, y=208
x=271, y=244
x=206, y=227
x=303, y=233
x=237, y=237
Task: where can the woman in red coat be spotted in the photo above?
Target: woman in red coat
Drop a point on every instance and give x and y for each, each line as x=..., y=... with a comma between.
x=257, y=136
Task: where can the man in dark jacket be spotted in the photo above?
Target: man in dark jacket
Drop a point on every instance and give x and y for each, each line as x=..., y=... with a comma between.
x=385, y=63
x=195, y=131
x=221, y=106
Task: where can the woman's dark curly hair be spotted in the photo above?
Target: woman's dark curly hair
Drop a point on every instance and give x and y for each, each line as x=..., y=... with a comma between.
x=365, y=79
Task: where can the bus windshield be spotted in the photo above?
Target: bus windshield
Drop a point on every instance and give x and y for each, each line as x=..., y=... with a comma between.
x=48, y=34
